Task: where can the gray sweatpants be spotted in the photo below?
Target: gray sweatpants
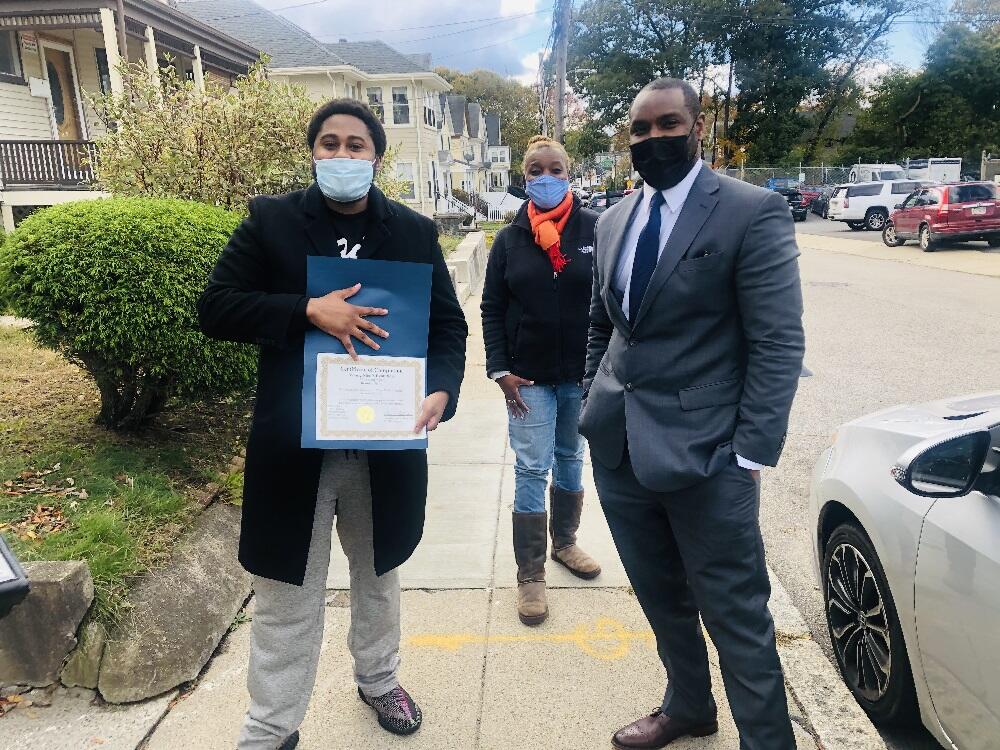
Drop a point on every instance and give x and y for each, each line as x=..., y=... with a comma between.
x=287, y=629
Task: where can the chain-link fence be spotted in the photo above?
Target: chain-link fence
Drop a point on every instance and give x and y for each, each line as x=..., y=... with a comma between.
x=822, y=175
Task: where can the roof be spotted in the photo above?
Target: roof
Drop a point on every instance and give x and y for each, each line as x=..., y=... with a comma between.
x=456, y=103
x=475, y=115
x=375, y=57
x=493, y=129
x=288, y=45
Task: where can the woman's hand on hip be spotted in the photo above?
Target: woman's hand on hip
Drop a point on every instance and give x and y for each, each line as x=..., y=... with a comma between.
x=334, y=315
x=511, y=387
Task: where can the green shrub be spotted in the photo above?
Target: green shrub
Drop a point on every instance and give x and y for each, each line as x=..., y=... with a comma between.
x=113, y=285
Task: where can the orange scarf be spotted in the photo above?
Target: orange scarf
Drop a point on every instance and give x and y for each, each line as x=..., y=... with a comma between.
x=548, y=226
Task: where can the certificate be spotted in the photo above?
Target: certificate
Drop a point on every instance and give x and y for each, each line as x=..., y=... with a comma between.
x=375, y=398
x=370, y=404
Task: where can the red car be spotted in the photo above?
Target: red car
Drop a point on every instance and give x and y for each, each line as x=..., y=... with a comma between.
x=959, y=212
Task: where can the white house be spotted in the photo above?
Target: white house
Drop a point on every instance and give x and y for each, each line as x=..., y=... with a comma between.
x=52, y=53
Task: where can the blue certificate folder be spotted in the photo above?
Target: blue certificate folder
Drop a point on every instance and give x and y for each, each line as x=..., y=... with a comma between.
x=404, y=289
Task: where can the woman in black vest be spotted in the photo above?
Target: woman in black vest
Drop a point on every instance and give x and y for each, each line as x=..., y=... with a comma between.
x=257, y=294
x=536, y=312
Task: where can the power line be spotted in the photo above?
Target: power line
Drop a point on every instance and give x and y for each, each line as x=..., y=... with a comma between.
x=460, y=31
x=486, y=46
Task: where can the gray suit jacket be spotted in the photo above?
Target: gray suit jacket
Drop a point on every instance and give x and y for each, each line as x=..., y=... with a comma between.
x=710, y=365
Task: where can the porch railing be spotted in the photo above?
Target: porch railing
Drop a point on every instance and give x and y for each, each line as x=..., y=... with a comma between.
x=64, y=164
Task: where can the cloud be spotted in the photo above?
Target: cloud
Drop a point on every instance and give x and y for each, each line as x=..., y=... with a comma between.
x=529, y=65
x=517, y=7
x=490, y=34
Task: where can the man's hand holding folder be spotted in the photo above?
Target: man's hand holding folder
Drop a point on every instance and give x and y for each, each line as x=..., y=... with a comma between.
x=334, y=315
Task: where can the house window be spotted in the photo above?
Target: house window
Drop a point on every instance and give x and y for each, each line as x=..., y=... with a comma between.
x=375, y=102
x=103, y=72
x=10, y=63
x=400, y=106
x=404, y=173
x=429, y=118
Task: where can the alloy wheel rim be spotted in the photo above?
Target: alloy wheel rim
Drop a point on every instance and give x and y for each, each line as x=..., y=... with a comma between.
x=859, y=623
x=877, y=221
x=890, y=234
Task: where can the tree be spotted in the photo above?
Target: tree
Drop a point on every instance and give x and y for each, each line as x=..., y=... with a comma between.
x=950, y=108
x=516, y=104
x=873, y=20
x=585, y=141
x=166, y=139
x=776, y=53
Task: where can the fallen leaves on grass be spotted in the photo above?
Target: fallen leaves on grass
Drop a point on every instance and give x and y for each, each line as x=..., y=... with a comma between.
x=34, y=482
x=40, y=522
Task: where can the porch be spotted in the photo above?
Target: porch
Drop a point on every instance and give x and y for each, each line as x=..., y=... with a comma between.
x=52, y=59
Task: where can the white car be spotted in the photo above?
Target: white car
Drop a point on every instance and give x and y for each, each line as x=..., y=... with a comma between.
x=906, y=508
x=867, y=205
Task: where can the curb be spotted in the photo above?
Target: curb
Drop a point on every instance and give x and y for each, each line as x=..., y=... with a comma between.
x=832, y=716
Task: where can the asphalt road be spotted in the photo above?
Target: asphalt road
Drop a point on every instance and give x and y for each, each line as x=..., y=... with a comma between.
x=878, y=333
x=817, y=225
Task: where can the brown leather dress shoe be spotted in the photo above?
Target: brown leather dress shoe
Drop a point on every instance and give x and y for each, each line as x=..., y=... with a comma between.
x=658, y=730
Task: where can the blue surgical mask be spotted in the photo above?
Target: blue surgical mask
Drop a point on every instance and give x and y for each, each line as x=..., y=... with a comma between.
x=547, y=191
x=344, y=180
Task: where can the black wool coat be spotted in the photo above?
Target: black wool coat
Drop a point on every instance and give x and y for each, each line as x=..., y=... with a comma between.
x=256, y=294
x=535, y=321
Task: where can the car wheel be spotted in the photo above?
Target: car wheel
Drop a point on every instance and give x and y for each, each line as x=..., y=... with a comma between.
x=826, y=212
x=876, y=219
x=926, y=243
x=889, y=236
x=864, y=628
x=856, y=226
x=993, y=241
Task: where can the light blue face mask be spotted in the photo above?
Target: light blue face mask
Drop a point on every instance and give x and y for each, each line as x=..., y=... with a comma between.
x=547, y=191
x=344, y=180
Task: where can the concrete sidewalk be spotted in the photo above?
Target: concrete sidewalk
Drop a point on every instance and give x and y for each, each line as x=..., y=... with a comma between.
x=484, y=681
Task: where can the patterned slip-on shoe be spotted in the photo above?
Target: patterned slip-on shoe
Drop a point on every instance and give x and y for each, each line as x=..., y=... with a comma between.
x=396, y=711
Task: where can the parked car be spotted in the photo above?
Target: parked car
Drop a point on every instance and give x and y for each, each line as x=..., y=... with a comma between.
x=809, y=193
x=795, y=204
x=866, y=205
x=959, y=212
x=820, y=205
x=905, y=506
x=601, y=202
x=781, y=183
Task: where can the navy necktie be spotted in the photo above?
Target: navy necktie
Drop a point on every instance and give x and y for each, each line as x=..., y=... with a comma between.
x=647, y=252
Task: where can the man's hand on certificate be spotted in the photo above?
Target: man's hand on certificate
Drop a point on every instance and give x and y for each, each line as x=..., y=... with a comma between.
x=431, y=412
x=334, y=315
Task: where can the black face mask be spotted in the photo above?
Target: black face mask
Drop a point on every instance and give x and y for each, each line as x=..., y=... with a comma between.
x=665, y=160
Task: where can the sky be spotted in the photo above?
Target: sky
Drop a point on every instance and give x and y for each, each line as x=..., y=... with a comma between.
x=505, y=36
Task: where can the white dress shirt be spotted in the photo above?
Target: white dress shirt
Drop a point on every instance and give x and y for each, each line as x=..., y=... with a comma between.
x=673, y=202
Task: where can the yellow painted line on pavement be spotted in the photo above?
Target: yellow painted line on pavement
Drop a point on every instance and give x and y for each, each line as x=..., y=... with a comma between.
x=604, y=639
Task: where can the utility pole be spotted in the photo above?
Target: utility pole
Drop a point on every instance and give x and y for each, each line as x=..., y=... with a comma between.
x=564, y=19
x=541, y=94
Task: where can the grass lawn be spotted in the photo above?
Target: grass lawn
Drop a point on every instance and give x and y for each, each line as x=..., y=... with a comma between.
x=71, y=490
x=449, y=243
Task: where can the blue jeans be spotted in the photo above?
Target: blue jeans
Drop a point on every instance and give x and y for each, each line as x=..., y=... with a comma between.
x=547, y=440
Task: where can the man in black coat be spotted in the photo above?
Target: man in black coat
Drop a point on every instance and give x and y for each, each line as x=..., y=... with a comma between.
x=256, y=294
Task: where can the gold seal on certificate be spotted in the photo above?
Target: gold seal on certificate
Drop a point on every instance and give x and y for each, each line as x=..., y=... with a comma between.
x=375, y=398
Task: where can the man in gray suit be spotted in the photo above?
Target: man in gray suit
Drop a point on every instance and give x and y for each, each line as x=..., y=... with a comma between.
x=695, y=351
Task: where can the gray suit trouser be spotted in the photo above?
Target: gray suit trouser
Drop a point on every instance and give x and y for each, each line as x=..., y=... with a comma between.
x=699, y=550
x=287, y=630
